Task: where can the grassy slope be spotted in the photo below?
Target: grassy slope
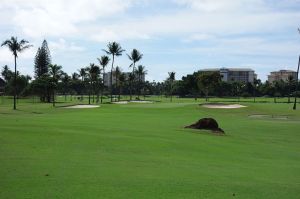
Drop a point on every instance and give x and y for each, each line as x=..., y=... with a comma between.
x=142, y=151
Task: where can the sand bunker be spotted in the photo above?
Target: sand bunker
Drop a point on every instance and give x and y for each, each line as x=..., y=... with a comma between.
x=83, y=106
x=261, y=116
x=133, y=101
x=121, y=102
x=142, y=101
x=223, y=106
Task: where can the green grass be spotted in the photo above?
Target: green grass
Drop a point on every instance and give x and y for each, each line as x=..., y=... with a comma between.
x=143, y=151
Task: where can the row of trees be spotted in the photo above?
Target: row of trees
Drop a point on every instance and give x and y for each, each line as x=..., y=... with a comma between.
x=89, y=80
x=50, y=79
x=210, y=84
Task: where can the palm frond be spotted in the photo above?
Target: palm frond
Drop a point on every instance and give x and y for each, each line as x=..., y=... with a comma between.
x=22, y=48
x=107, y=52
x=6, y=43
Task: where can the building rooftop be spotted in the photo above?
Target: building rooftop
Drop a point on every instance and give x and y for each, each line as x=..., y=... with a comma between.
x=284, y=71
x=230, y=69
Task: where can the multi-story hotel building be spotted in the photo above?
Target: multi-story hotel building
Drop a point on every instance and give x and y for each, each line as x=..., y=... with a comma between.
x=281, y=75
x=234, y=74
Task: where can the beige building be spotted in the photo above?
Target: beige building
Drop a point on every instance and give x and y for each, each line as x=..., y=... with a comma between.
x=234, y=74
x=107, y=78
x=281, y=75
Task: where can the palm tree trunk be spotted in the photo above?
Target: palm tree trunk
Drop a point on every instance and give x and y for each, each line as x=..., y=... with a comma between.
x=289, y=99
x=130, y=87
x=130, y=90
x=15, y=84
x=53, y=102
x=171, y=93
x=65, y=95
x=82, y=89
x=93, y=87
x=98, y=94
x=90, y=93
x=111, y=77
x=295, y=102
x=140, y=89
x=102, y=87
x=119, y=92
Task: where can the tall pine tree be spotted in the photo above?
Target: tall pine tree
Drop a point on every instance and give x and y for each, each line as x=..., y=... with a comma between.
x=42, y=60
x=41, y=72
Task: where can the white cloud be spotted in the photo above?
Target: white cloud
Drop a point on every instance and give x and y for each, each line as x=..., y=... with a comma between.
x=198, y=37
x=105, y=20
x=6, y=56
x=115, y=33
x=221, y=5
x=238, y=29
x=231, y=17
x=63, y=45
x=41, y=18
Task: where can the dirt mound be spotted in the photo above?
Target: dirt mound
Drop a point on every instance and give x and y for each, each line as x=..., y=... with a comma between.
x=207, y=124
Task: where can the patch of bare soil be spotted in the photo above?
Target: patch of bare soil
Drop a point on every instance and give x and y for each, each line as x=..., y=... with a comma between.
x=207, y=124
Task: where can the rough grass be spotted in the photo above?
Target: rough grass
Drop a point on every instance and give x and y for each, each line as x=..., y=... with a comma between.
x=143, y=151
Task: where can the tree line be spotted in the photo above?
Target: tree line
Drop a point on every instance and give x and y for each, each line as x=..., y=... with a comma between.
x=50, y=80
x=205, y=84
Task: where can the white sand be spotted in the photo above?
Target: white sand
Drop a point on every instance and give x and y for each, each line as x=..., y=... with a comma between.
x=83, y=106
x=223, y=106
x=121, y=102
x=142, y=101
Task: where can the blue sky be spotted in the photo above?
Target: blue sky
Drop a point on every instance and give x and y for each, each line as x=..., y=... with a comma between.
x=174, y=35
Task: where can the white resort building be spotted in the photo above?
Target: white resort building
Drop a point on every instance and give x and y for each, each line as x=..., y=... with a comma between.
x=234, y=74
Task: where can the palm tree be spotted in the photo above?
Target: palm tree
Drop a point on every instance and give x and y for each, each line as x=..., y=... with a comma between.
x=74, y=84
x=134, y=56
x=82, y=73
x=141, y=72
x=296, y=90
x=131, y=78
x=256, y=82
x=295, y=102
x=103, y=61
x=290, y=83
x=117, y=75
x=16, y=47
x=122, y=79
x=55, y=72
x=114, y=49
x=66, y=81
x=93, y=72
x=171, y=80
